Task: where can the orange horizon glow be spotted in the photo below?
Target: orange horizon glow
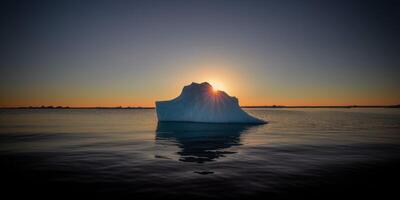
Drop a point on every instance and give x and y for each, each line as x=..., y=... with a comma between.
x=222, y=76
x=150, y=102
x=153, y=105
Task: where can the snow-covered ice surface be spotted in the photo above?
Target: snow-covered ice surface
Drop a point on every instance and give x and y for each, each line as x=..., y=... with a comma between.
x=200, y=103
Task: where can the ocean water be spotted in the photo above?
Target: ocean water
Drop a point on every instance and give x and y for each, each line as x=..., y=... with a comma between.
x=125, y=152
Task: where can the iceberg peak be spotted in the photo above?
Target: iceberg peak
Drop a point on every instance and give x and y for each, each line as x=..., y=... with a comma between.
x=198, y=102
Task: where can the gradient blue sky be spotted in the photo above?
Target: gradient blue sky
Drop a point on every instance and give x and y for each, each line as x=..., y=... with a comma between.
x=131, y=53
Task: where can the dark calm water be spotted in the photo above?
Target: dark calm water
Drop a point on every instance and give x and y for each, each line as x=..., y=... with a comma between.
x=127, y=153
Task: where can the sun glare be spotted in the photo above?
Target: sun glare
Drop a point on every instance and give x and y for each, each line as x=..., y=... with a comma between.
x=217, y=86
x=215, y=89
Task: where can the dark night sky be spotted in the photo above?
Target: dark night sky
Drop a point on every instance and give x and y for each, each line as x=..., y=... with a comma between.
x=106, y=53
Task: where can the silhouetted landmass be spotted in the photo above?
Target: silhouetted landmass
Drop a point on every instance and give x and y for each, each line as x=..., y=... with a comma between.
x=149, y=107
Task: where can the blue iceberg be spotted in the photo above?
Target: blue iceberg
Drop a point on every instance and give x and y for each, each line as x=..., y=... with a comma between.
x=200, y=103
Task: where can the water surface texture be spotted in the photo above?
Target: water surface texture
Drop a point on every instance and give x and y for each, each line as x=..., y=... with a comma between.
x=125, y=152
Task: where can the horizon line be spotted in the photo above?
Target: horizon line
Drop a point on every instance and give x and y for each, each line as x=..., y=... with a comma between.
x=153, y=107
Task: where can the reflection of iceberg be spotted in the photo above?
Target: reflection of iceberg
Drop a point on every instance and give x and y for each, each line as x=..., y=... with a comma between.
x=199, y=103
x=201, y=142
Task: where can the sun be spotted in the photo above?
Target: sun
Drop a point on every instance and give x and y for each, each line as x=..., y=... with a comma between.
x=217, y=86
x=215, y=89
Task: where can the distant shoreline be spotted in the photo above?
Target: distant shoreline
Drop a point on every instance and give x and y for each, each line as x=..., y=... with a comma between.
x=140, y=107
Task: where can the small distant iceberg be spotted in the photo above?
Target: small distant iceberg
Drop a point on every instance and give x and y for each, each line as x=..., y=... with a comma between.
x=200, y=103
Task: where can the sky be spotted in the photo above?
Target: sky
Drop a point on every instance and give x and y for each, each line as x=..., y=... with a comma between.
x=132, y=53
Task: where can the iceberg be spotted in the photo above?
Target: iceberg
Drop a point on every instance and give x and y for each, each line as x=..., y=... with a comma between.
x=200, y=103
